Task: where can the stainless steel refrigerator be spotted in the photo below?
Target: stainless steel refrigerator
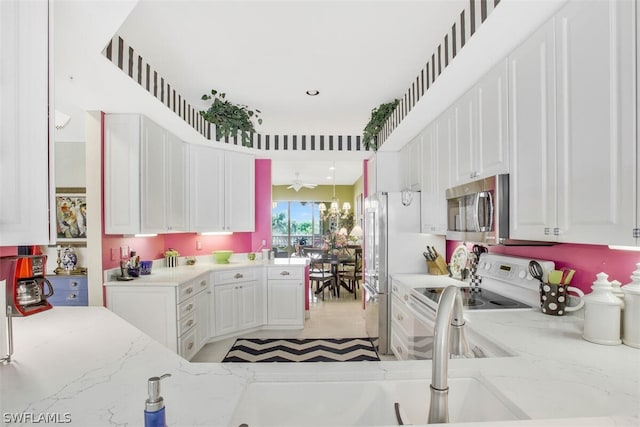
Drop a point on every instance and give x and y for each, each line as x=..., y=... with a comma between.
x=392, y=244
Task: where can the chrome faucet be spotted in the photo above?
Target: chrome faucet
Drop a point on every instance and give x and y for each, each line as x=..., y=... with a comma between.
x=449, y=338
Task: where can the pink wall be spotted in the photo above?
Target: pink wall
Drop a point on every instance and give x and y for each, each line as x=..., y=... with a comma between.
x=587, y=260
x=187, y=243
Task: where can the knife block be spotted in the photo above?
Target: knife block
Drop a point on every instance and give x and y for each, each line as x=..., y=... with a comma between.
x=437, y=267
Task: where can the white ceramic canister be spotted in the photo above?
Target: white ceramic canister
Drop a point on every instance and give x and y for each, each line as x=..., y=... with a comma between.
x=631, y=313
x=602, y=313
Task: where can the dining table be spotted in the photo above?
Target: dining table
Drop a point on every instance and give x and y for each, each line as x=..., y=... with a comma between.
x=335, y=261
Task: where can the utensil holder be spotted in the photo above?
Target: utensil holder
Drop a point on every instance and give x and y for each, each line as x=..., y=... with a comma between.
x=172, y=261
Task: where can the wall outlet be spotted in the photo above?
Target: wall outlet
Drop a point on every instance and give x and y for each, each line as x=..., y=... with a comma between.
x=198, y=245
x=124, y=252
x=113, y=254
x=264, y=242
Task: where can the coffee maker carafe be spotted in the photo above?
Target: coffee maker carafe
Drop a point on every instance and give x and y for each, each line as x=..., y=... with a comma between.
x=26, y=282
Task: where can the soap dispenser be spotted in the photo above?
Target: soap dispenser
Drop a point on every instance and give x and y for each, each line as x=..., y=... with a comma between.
x=154, y=411
x=602, y=313
x=631, y=314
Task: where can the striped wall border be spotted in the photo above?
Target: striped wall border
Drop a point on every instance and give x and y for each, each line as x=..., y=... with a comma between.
x=468, y=22
x=130, y=62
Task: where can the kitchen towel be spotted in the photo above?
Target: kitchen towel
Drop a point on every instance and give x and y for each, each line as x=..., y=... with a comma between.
x=302, y=350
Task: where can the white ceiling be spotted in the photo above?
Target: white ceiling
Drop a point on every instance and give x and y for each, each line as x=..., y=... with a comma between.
x=266, y=54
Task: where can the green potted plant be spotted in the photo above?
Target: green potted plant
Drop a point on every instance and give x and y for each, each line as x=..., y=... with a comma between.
x=379, y=117
x=229, y=118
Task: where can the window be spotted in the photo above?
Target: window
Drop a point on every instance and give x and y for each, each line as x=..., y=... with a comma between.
x=296, y=223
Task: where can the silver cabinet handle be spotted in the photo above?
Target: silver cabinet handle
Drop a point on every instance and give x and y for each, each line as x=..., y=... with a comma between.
x=203, y=283
x=238, y=276
x=399, y=317
x=73, y=296
x=190, y=322
x=188, y=290
x=406, y=297
x=73, y=284
x=190, y=346
x=284, y=273
x=190, y=307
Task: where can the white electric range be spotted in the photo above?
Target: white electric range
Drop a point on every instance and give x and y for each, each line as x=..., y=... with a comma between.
x=505, y=284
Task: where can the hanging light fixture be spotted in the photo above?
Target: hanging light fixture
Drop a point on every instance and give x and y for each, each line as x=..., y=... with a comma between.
x=334, y=209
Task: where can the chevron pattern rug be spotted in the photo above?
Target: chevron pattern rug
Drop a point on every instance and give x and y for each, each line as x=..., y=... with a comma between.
x=302, y=350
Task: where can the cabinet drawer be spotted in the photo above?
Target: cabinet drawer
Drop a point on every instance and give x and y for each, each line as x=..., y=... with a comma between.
x=399, y=346
x=186, y=323
x=186, y=308
x=188, y=289
x=187, y=344
x=69, y=290
x=401, y=317
x=285, y=273
x=79, y=298
x=400, y=290
x=234, y=276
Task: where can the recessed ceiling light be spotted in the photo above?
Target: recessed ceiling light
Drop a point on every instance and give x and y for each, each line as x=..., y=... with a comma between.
x=313, y=92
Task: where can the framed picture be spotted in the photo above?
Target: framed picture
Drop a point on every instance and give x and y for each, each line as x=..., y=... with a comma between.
x=71, y=215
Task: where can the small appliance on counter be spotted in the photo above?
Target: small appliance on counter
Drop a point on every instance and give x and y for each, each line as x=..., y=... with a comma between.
x=25, y=283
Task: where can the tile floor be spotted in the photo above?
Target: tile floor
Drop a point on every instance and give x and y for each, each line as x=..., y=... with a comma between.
x=332, y=318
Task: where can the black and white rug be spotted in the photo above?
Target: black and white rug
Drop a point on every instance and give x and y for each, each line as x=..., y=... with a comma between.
x=302, y=350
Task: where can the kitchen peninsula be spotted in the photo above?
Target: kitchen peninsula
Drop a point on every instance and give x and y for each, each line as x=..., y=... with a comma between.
x=89, y=365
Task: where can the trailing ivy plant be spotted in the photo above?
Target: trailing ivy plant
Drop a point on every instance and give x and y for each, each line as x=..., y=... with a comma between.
x=230, y=118
x=379, y=117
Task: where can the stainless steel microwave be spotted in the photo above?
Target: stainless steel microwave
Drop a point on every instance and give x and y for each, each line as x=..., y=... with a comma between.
x=478, y=212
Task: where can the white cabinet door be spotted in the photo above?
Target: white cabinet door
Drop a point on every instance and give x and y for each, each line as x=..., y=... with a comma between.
x=428, y=184
x=491, y=153
x=249, y=313
x=202, y=302
x=177, y=185
x=240, y=192
x=122, y=173
x=596, y=167
x=465, y=135
x=226, y=306
x=206, y=187
x=532, y=204
x=24, y=124
x=411, y=165
x=153, y=185
x=285, y=302
x=443, y=137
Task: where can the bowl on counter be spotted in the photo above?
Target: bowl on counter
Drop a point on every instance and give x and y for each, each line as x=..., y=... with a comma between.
x=222, y=257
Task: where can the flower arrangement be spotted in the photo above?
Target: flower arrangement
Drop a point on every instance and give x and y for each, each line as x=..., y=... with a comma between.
x=334, y=241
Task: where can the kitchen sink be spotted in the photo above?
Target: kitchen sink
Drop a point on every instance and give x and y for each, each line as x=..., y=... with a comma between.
x=366, y=403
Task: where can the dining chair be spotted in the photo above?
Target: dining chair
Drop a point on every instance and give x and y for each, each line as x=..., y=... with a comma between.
x=353, y=275
x=321, y=275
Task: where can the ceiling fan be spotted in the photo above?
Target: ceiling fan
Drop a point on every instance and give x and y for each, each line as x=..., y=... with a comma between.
x=297, y=184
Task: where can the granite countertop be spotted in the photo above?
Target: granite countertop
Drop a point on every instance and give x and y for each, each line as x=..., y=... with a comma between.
x=89, y=365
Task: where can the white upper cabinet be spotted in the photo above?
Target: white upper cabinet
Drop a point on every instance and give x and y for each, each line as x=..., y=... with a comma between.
x=480, y=128
x=574, y=161
x=164, y=181
x=24, y=123
x=532, y=116
x=239, y=191
x=145, y=177
x=410, y=165
x=206, y=186
x=222, y=186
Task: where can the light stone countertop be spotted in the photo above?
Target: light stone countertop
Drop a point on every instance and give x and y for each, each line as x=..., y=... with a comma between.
x=90, y=364
x=164, y=276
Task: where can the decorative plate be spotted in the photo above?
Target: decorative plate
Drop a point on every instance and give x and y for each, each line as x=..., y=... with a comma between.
x=458, y=261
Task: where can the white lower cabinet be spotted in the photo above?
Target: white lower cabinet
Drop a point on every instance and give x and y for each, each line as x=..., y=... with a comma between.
x=285, y=296
x=169, y=314
x=237, y=301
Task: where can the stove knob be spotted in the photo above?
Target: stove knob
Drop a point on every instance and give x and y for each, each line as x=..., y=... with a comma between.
x=522, y=274
x=487, y=266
